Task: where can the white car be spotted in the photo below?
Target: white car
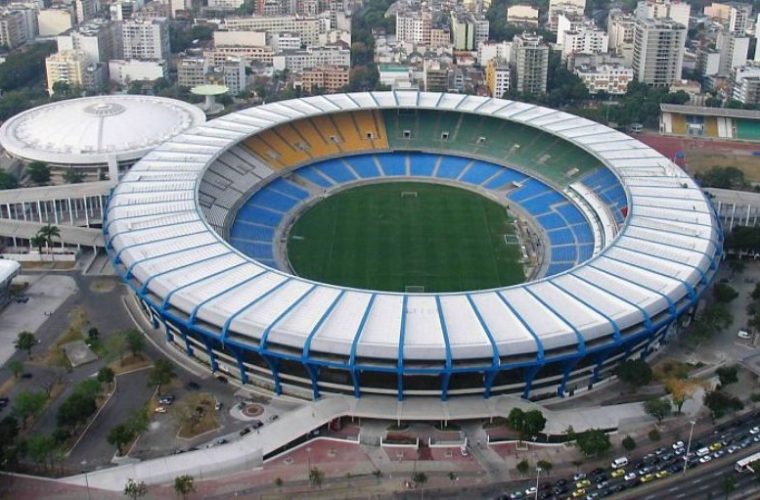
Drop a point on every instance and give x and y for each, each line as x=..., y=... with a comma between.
x=705, y=459
x=754, y=430
x=678, y=444
x=744, y=335
x=629, y=476
x=160, y=409
x=530, y=491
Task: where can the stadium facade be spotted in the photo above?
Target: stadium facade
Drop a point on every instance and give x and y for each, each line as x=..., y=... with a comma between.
x=629, y=244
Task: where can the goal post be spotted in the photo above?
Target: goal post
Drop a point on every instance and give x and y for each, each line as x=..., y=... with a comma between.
x=408, y=194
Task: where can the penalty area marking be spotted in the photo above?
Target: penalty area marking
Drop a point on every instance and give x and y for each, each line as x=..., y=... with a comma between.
x=511, y=239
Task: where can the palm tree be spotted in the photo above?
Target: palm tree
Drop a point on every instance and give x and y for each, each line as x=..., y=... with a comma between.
x=38, y=241
x=49, y=232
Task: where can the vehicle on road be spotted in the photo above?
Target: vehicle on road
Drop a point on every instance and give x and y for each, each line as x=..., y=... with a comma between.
x=705, y=459
x=647, y=477
x=579, y=493
x=218, y=406
x=26, y=375
x=192, y=386
x=582, y=484
x=166, y=400
x=743, y=335
x=630, y=476
x=619, y=462
x=617, y=473
x=160, y=409
x=662, y=473
x=678, y=444
x=222, y=379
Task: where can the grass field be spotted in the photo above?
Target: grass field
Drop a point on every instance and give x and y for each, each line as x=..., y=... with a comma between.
x=443, y=239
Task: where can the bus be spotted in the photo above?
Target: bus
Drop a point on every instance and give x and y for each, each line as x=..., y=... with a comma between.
x=745, y=464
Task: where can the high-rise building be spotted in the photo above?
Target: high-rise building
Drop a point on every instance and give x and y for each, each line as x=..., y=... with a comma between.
x=735, y=16
x=745, y=83
x=329, y=78
x=414, y=27
x=530, y=62
x=497, y=77
x=146, y=39
x=468, y=30
x=191, y=71
x=733, y=48
x=620, y=30
x=86, y=9
x=75, y=68
x=658, y=51
x=101, y=40
x=610, y=78
x=584, y=40
x=13, y=29
x=436, y=76
x=664, y=9
x=522, y=15
x=569, y=7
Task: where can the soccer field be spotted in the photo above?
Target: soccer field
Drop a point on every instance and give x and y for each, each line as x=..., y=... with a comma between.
x=404, y=236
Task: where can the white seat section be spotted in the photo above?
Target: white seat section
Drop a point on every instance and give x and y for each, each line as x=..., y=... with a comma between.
x=337, y=333
x=511, y=336
x=423, y=335
x=381, y=334
x=467, y=337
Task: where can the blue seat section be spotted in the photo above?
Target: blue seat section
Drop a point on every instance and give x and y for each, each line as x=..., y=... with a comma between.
x=336, y=170
x=272, y=200
x=450, y=167
x=585, y=252
x=561, y=237
x=393, y=164
x=604, y=183
x=567, y=253
x=541, y=204
x=245, y=231
x=552, y=220
x=530, y=189
x=310, y=174
x=558, y=268
x=422, y=164
x=364, y=166
x=571, y=213
x=504, y=178
x=286, y=187
x=479, y=172
x=583, y=233
x=259, y=215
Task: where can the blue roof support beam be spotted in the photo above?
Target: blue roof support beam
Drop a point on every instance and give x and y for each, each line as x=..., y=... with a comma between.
x=400, y=363
x=352, y=357
x=199, y=305
x=448, y=363
x=495, y=360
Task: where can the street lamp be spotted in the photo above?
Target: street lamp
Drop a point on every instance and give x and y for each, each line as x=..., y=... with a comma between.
x=688, y=446
x=308, y=458
x=538, y=473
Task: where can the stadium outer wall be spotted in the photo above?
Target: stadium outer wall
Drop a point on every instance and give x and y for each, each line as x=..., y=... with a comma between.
x=283, y=372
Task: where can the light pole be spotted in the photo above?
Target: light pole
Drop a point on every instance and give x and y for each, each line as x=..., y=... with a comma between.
x=688, y=446
x=308, y=458
x=538, y=473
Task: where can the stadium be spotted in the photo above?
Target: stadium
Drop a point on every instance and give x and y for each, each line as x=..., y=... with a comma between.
x=270, y=244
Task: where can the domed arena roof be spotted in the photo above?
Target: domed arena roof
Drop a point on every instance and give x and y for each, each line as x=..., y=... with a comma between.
x=92, y=130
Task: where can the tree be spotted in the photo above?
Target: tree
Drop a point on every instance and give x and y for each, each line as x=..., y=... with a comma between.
x=523, y=466
x=533, y=423
x=419, y=478
x=719, y=403
x=636, y=373
x=76, y=409
x=7, y=181
x=593, y=442
x=49, y=232
x=545, y=466
x=723, y=177
x=120, y=436
x=39, y=172
x=133, y=489
x=728, y=484
x=106, y=376
x=680, y=390
x=727, y=375
x=38, y=241
x=183, y=485
x=28, y=404
x=40, y=449
x=16, y=367
x=25, y=341
x=135, y=343
x=724, y=293
x=516, y=420
x=73, y=176
x=629, y=443
x=316, y=477
x=162, y=373
x=658, y=408
x=654, y=435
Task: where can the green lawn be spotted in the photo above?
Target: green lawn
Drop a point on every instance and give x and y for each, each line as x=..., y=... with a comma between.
x=445, y=239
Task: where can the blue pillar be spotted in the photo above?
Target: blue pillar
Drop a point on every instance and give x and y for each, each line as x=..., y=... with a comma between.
x=169, y=334
x=490, y=376
x=188, y=347
x=355, y=381
x=567, y=367
x=313, y=372
x=445, y=379
x=241, y=366
x=530, y=374
x=274, y=366
x=399, y=386
x=211, y=355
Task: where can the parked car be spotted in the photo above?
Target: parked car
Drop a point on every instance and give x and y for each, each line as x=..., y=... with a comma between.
x=743, y=335
x=222, y=379
x=166, y=400
x=26, y=375
x=192, y=386
x=256, y=424
x=160, y=409
x=4, y=402
x=244, y=431
x=218, y=406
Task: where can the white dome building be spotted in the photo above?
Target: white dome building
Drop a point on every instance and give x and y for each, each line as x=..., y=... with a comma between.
x=94, y=133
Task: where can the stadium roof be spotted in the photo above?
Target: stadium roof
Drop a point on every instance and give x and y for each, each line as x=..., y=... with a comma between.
x=749, y=114
x=159, y=232
x=92, y=130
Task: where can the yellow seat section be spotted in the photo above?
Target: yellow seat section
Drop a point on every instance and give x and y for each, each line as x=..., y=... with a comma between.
x=352, y=140
x=370, y=126
x=264, y=151
x=327, y=130
x=289, y=155
x=319, y=146
x=291, y=136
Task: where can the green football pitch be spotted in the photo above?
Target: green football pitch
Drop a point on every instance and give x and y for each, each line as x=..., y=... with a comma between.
x=406, y=237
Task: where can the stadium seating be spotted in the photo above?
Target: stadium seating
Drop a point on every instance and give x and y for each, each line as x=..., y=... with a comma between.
x=604, y=183
x=569, y=235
